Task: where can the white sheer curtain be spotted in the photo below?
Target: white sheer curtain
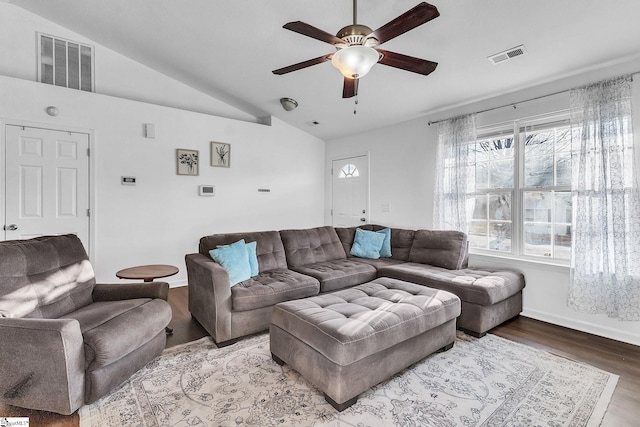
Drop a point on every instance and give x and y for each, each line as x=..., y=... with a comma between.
x=452, y=154
x=605, y=265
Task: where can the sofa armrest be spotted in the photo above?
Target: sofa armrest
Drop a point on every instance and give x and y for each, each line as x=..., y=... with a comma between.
x=122, y=291
x=42, y=361
x=209, y=295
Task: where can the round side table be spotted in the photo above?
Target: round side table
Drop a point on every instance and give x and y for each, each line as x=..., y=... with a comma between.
x=148, y=273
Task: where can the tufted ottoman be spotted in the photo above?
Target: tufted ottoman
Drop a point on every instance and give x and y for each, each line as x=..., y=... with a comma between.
x=350, y=340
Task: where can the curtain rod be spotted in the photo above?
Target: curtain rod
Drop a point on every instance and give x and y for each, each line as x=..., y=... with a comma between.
x=513, y=104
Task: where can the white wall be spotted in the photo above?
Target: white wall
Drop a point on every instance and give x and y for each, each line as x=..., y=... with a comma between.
x=115, y=74
x=161, y=218
x=402, y=159
x=400, y=174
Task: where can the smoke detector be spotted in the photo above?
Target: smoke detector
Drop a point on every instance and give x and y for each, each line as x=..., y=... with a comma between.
x=507, y=54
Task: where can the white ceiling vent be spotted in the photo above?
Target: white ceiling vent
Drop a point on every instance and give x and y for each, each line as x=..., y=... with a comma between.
x=507, y=54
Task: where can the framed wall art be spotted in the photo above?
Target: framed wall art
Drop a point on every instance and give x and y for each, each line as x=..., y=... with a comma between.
x=220, y=154
x=187, y=161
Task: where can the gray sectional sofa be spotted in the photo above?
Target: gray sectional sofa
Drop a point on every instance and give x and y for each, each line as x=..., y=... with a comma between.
x=296, y=264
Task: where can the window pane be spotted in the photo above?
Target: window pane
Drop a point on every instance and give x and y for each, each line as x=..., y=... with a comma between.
x=478, y=152
x=537, y=206
x=563, y=207
x=537, y=239
x=480, y=207
x=563, y=168
x=482, y=177
x=563, y=139
x=501, y=148
x=500, y=207
x=478, y=234
x=539, y=144
x=562, y=242
x=500, y=238
x=538, y=171
x=502, y=174
x=545, y=227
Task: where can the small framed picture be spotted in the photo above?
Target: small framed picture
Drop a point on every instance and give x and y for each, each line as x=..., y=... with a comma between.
x=187, y=161
x=220, y=154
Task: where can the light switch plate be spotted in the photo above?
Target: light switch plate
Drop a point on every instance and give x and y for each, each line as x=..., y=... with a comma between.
x=149, y=130
x=207, y=190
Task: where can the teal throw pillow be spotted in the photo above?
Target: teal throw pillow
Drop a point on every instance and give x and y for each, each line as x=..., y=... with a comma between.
x=385, y=250
x=253, y=257
x=367, y=244
x=235, y=259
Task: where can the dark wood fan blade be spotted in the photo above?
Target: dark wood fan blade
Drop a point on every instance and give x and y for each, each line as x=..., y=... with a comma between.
x=422, y=13
x=405, y=62
x=301, y=65
x=313, y=32
x=350, y=88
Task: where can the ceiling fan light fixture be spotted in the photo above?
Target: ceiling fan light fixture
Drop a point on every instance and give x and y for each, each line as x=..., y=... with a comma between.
x=355, y=61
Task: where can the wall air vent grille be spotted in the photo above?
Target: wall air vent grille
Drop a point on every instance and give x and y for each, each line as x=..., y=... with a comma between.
x=65, y=63
x=507, y=54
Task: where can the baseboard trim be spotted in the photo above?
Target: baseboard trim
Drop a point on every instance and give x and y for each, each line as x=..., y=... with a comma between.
x=177, y=283
x=587, y=327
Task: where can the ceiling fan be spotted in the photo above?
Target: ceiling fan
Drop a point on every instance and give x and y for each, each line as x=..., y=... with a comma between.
x=357, y=50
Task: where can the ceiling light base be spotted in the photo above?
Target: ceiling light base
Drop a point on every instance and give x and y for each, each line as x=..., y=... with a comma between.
x=289, y=104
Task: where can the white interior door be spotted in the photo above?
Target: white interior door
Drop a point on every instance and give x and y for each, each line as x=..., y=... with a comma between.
x=47, y=183
x=350, y=191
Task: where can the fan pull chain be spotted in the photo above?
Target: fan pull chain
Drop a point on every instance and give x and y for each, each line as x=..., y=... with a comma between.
x=355, y=105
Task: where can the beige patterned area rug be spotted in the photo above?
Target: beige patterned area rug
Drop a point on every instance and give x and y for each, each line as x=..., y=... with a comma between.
x=489, y=381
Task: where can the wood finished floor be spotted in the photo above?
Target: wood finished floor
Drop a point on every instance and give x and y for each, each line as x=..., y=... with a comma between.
x=612, y=356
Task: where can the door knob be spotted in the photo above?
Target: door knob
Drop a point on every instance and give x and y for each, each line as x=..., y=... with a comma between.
x=11, y=227
x=363, y=219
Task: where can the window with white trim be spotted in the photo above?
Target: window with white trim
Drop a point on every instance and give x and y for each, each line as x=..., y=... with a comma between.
x=349, y=171
x=520, y=190
x=65, y=63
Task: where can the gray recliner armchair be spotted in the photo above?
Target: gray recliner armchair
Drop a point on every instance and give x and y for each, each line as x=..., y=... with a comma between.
x=66, y=341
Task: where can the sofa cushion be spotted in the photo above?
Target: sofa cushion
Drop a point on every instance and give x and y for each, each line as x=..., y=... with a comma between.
x=271, y=287
x=401, y=239
x=475, y=285
x=441, y=248
x=44, y=277
x=270, y=252
x=252, y=248
x=339, y=273
x=385, y=250
x=351, y=324
x=311, y=245
x=377, y=263
x=367, y=244
x=235, y=259
x=113, y=329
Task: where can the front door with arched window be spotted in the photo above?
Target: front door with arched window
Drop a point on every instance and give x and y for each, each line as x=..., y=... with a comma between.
x=350, y=199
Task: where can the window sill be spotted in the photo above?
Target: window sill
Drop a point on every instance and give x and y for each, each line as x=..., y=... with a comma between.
x=510, y=260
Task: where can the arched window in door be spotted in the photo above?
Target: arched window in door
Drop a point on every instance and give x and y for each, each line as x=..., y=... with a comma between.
x=349, y=171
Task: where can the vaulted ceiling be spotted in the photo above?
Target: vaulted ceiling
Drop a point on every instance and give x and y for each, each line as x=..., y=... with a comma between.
x=228, y=48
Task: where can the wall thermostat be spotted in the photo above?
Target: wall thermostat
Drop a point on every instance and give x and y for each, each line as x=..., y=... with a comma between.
x=207, y=190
